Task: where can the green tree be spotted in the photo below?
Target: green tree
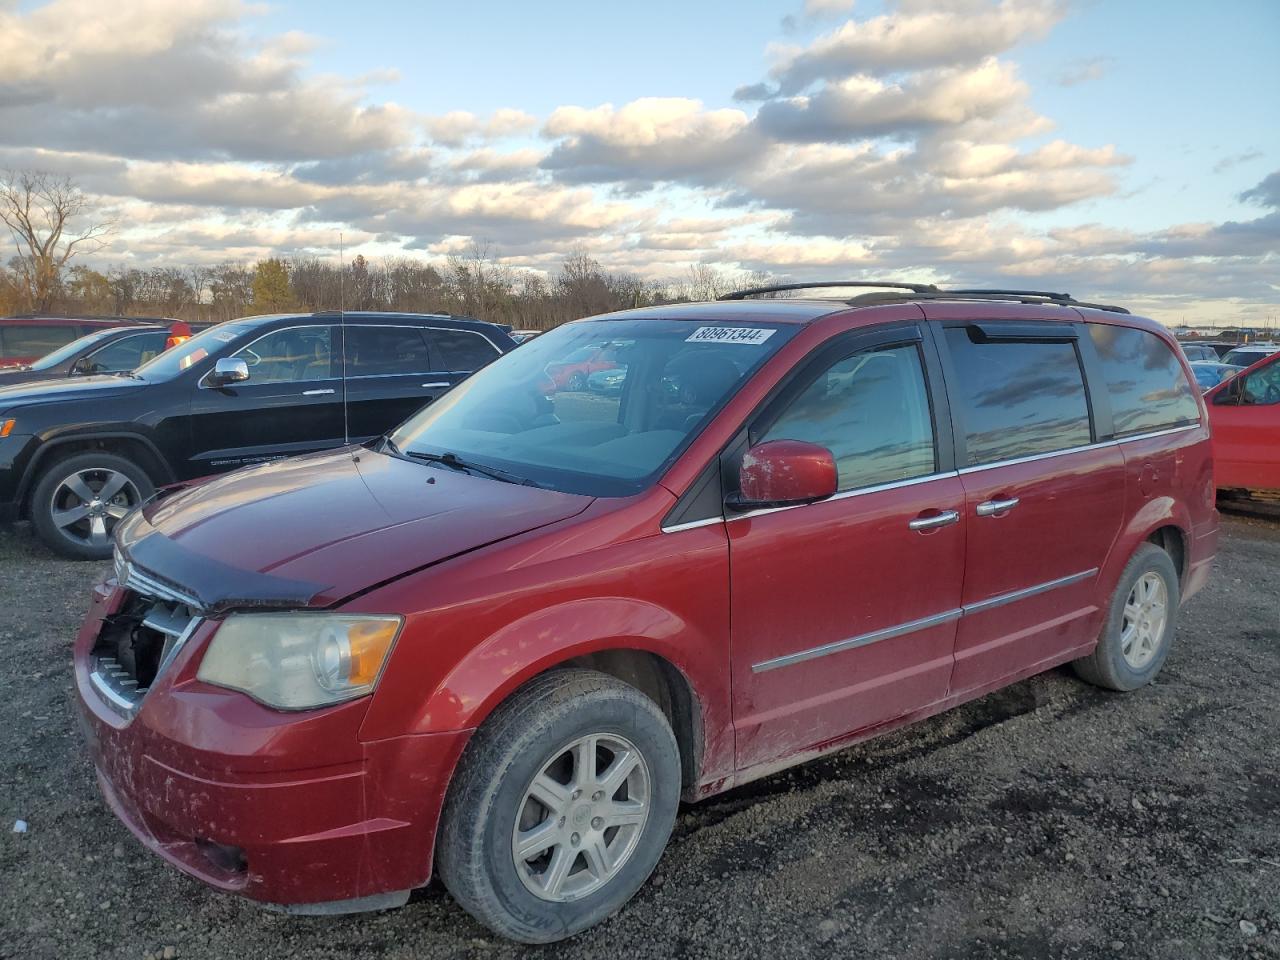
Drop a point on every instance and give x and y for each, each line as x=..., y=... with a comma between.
x=271, y=290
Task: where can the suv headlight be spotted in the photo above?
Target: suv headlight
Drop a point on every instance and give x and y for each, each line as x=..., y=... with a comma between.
x=298, y=661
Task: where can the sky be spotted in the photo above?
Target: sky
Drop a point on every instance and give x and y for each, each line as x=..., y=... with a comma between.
x=1125, y=151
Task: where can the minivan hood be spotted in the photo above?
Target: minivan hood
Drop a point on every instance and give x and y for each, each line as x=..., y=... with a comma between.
x=65, y=388
x=312, y=530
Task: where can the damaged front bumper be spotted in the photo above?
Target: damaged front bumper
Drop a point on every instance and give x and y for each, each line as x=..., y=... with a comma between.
x=290, y=809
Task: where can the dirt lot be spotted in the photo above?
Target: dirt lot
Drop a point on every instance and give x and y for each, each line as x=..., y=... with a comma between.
x=1049, y=820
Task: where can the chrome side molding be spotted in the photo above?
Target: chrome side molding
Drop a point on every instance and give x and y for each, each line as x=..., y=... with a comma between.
x=911, y=626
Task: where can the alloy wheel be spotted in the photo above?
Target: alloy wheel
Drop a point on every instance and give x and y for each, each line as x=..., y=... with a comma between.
x=1145, y=614
x=87, y=505
x=581, y=817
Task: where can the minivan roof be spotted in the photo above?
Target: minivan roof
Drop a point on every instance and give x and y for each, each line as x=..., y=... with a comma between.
x=738, y=306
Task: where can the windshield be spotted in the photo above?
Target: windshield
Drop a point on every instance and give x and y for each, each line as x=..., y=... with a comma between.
x=597, y=407
x=63, y=354
x=175, y=360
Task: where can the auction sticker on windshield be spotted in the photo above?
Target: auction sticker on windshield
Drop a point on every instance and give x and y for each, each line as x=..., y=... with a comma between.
x=747, y=335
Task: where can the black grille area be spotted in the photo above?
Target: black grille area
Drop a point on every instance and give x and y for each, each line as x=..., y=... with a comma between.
x=135, y=646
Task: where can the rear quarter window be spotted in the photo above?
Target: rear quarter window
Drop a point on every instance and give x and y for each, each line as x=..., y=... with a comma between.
x=1145, y=382
x=1017, y=398
x=461, y=350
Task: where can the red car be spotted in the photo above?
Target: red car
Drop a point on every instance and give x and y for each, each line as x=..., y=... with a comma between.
x=502, y=644
x=24, y=340
x=571, y=371
x=1245, y=415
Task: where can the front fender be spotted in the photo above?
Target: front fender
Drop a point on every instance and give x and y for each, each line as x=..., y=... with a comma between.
x=456, y=661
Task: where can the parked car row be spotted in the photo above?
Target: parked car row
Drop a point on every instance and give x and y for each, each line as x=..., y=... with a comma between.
x=501, y=642
x=76, y=455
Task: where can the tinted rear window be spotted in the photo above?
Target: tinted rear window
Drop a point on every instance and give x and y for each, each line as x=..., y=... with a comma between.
x=1017, y=398
x=461, y=349
x=34, y=340
x=1145, y=381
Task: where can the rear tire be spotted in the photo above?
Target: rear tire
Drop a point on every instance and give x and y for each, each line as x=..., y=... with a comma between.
x=539, y=843
x=1140, y=624
x=78, y=501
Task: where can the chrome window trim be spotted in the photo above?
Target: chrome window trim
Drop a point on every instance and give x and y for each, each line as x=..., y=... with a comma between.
x=372, y=376
x=1100, y=445
x=848, y=494
x=911, y=626
x=693, y=525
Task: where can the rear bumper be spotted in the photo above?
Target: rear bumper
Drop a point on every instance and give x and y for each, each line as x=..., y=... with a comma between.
x=216, y=785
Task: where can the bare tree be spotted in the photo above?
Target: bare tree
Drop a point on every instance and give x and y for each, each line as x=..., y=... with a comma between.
x=38, y=208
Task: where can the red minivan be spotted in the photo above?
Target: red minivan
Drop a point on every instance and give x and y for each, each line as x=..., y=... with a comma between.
x=502, y=643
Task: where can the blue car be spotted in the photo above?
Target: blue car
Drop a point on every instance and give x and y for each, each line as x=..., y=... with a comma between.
x=1209, y=374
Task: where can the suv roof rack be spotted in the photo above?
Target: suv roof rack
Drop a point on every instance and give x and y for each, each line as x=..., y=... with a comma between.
x=927, y=291
x=780, y=287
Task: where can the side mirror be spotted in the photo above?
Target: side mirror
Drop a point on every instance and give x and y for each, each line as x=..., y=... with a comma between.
x=229, y=370
x=783, y=473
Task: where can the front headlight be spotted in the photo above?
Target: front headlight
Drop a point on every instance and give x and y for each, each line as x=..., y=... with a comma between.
x=297, y=661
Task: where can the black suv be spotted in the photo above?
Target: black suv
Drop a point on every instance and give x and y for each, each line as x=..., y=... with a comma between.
x=76, y=455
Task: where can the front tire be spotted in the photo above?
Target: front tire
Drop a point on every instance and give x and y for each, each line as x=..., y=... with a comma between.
x=78, y=501
x=561, y=806
x=1140, y=624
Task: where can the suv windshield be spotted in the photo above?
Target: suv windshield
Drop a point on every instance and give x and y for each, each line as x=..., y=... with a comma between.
x=170, y=363
x=597, y=407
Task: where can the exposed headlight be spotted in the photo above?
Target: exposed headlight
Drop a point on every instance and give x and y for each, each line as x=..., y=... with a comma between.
x=297, y=661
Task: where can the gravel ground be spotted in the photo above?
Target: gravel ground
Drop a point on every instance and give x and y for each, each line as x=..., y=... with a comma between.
x=1048, y=820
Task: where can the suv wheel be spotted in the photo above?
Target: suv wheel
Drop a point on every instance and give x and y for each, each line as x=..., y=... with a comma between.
x=1140, y=624
x=561, y=806
x=77, y=502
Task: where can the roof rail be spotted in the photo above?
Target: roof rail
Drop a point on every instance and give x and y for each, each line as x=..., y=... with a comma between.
x=927, y=291
x=1020, y=293
x=1008, y=296
x=780, y=287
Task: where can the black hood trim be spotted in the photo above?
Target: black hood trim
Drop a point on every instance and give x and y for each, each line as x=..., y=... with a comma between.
x=211, y=586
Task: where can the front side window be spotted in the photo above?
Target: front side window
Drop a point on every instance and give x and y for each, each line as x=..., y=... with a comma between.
x=1017, y=398
x=1262, y=387
x=1145, y=381
x=611, y=433
x=871, y=410
x=293, y=355
x=461, y=350
x=386, y=351
x=128, y=352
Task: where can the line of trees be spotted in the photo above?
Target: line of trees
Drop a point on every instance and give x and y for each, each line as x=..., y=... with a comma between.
x=51, y=222
x=476, y=285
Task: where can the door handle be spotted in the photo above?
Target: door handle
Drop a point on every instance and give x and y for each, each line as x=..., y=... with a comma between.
x=943, y=519
x=994, y=507
x=436, y=384
x=316, y=393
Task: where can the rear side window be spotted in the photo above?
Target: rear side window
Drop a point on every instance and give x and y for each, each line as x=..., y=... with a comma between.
x=461, y=350
x=871, y=410
x=386, y=351
x=1017, y=398
x=34, y=340
x=1145, y=381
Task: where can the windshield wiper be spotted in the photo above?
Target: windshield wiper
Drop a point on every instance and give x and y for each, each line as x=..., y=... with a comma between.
x=450, y=459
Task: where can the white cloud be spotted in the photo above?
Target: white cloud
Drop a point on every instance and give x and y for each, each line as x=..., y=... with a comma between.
x=914, y=37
